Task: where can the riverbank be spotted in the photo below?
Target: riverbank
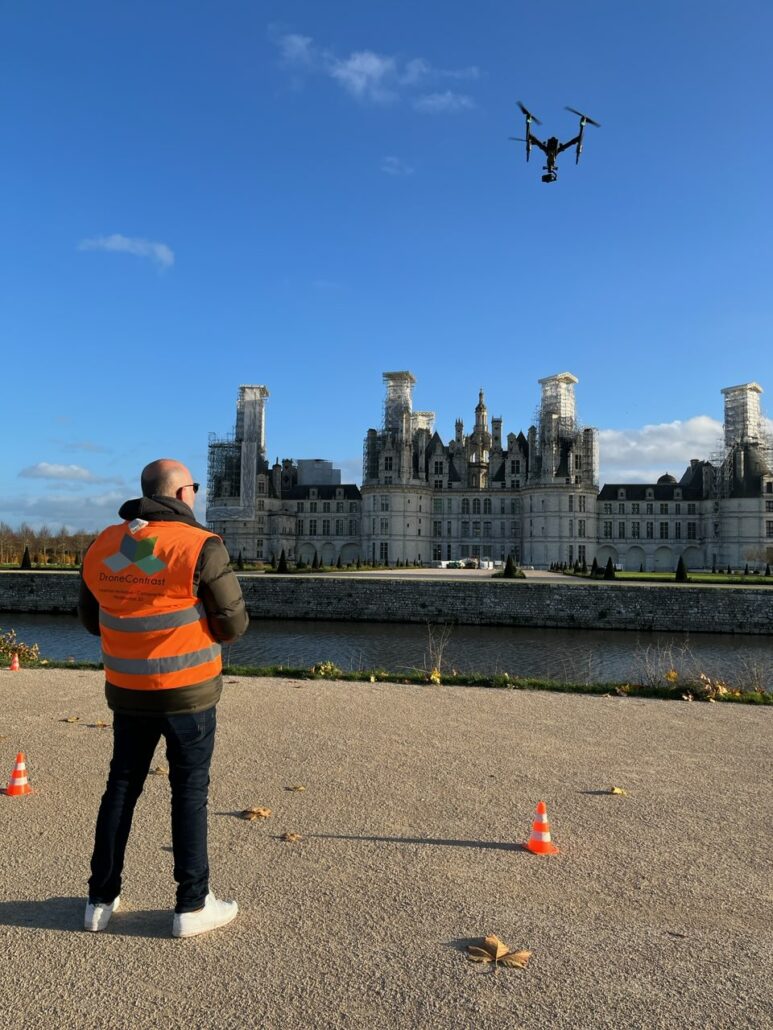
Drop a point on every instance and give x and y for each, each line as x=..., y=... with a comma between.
x=415, y=805
x=417, y=596
x=666, y=685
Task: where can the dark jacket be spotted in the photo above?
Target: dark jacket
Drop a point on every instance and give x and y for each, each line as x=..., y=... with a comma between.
x=214, y=584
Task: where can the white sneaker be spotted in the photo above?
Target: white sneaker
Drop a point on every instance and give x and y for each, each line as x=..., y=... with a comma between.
x=215, y=913
x=98, y=915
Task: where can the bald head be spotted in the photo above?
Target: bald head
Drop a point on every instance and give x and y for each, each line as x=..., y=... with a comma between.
x=163, y=478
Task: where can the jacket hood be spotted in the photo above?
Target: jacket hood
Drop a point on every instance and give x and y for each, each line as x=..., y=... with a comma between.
x=158, y=509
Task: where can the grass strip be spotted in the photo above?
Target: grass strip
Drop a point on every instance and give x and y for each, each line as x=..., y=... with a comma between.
x=501, y=681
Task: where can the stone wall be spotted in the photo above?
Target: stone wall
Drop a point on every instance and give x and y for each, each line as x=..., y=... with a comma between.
x=473, y=602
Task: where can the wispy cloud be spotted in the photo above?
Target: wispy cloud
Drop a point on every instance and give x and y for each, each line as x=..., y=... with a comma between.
x=64, y=473
x=370, y=77
x=394, y=166
x=442, y=103
x=159, y=253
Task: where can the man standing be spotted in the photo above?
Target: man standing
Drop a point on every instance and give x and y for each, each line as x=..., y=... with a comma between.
x=158, y=590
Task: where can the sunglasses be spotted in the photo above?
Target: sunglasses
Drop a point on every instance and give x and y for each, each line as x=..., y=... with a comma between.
x=193, y=486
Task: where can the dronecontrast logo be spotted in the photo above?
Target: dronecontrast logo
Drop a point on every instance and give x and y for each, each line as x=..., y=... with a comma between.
x=136, y=552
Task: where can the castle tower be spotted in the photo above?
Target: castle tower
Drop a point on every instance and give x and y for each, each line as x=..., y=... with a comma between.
x=743, y=419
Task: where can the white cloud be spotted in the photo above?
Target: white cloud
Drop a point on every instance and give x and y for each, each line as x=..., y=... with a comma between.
x=159, y=253
x=442, y=103
x=366, y=76
x=75, y=511
x=641, y=455
x=296, y=49
x=394, y=166
x=372, y=77
x=63, y=473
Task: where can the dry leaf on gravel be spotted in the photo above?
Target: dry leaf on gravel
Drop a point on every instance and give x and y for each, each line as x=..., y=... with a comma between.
x=293, y=838
x=616, y=790
x=515, y=959
x=159, y=770
x=494, y=950
x=297, y=787
x=251, y=814
x=71, y=718
x=98, y=725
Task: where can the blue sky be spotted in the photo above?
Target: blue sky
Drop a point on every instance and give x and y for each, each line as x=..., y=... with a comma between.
x=307, y=194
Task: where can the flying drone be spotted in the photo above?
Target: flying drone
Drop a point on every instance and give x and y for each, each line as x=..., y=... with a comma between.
x=552, y=147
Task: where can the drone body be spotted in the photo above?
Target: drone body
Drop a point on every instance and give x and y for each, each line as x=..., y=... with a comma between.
x=552, y=146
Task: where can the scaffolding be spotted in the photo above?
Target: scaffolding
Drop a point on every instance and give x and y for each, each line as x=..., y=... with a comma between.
x=398, y=400
x=224, y=459
x=233, y=459
x=251, y=416
x=422, y=420
x=743, y=419
x=558, y=399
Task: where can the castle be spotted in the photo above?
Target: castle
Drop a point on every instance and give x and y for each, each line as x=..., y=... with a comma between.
x=483, y=496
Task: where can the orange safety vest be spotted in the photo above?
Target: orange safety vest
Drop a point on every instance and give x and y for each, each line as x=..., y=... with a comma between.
x=154, y=630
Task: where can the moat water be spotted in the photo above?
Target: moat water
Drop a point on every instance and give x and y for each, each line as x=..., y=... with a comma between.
x=570, y=655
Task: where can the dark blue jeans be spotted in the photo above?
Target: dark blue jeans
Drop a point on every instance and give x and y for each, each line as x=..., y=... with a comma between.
x=190, y=740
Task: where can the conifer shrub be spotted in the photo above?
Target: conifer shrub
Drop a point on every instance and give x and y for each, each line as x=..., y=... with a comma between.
x=681, y=571
x=282, y=567
x=609, y=569
x=26, y=561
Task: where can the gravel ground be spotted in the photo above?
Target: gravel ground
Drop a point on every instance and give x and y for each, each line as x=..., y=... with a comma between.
x=655, y=914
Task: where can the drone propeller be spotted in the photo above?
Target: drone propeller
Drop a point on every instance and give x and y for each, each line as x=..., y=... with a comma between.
x=518, y=139
x=529, y=115
x=584, y=117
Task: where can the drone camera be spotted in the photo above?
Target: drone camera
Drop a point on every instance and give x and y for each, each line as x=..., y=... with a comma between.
x=549, y=177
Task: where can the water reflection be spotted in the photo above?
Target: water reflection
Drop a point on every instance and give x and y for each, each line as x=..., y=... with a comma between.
x=578, y=655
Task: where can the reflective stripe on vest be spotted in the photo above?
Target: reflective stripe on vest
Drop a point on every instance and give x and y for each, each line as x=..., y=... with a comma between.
x=154, y=629
x=149, y=623
x=159, y=666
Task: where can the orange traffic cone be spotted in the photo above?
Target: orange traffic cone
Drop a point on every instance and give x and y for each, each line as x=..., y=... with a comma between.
x=18, y=783
x=14, y=666
x=539, y=842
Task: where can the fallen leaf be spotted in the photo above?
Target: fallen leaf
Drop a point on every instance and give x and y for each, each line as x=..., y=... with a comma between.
x=297, y=787
x=496, y=947
x=515, y=959
x=292, y=837
x=71, y=718
x=497, y=952
x=250, y=814
x=616, y=790
x=159, y=770
x=98, y=725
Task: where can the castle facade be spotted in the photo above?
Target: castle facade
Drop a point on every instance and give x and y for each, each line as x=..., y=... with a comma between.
x=486, y=496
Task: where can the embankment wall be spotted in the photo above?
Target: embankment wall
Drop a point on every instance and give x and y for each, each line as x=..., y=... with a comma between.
x=474, y=602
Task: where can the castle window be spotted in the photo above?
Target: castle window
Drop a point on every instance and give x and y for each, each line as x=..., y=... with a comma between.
x=388, y=463
x=487, y=506
x=312, y=527
x=299, y=506
x=465, y=506
x=690, y=509
x=476, y=505
x=438, y=468
x=326, y=506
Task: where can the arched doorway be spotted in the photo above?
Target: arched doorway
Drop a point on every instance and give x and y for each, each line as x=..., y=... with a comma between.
x=635, y=559
x=664, y=560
